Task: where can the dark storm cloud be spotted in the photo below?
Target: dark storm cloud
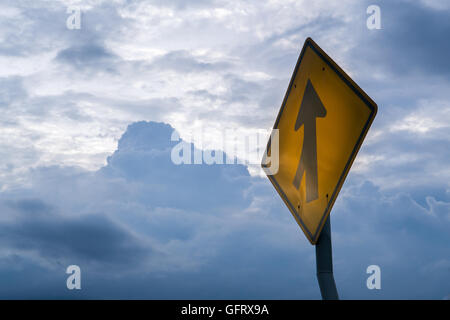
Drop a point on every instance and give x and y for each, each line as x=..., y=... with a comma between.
x=413, y=39
x=220, y=230
x=86, y=239
x=391, y=229
x=144, y=155
x=88, y=56
x=140, y=187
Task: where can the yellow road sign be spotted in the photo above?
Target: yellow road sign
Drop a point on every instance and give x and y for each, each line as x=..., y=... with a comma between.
x=321, y=125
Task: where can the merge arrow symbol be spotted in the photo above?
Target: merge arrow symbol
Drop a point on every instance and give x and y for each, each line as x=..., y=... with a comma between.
x=310, y=109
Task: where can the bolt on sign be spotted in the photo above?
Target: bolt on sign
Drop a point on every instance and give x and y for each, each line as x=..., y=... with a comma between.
x=321, y=125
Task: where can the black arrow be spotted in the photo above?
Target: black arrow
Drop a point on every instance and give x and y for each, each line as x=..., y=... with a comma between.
x=310, y=109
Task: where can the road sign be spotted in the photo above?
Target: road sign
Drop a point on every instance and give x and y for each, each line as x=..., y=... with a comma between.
x=321, y=125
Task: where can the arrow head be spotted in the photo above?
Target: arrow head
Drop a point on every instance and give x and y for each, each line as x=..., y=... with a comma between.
x=310, y=108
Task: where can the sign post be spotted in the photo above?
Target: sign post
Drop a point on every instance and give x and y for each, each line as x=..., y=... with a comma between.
x=321, y=125
x=324, y=264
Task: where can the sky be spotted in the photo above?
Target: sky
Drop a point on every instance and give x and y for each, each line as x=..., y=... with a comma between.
x=88, y=116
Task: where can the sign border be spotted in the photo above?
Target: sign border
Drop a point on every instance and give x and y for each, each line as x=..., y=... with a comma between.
x=373, y=111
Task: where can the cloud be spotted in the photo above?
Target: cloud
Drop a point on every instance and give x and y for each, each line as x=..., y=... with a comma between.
x=139, y=214
x=147, y=55
x=209, y=231
x=11, y=90
x=405, y=236
x=87, y=56
x=140, y=179
x=431, y=116
x=415, y=30
x=183, y=61
x=38, y=228
x=67, y=97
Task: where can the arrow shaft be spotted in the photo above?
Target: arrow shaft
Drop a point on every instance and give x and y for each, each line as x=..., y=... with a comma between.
x=308, y=163
x=310, y=109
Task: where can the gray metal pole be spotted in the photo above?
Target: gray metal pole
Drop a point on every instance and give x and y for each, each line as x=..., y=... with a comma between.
x=324, y=263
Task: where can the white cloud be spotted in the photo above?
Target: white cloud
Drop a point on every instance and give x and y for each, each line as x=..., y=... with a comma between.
x=429, y=116
x=217, y=41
